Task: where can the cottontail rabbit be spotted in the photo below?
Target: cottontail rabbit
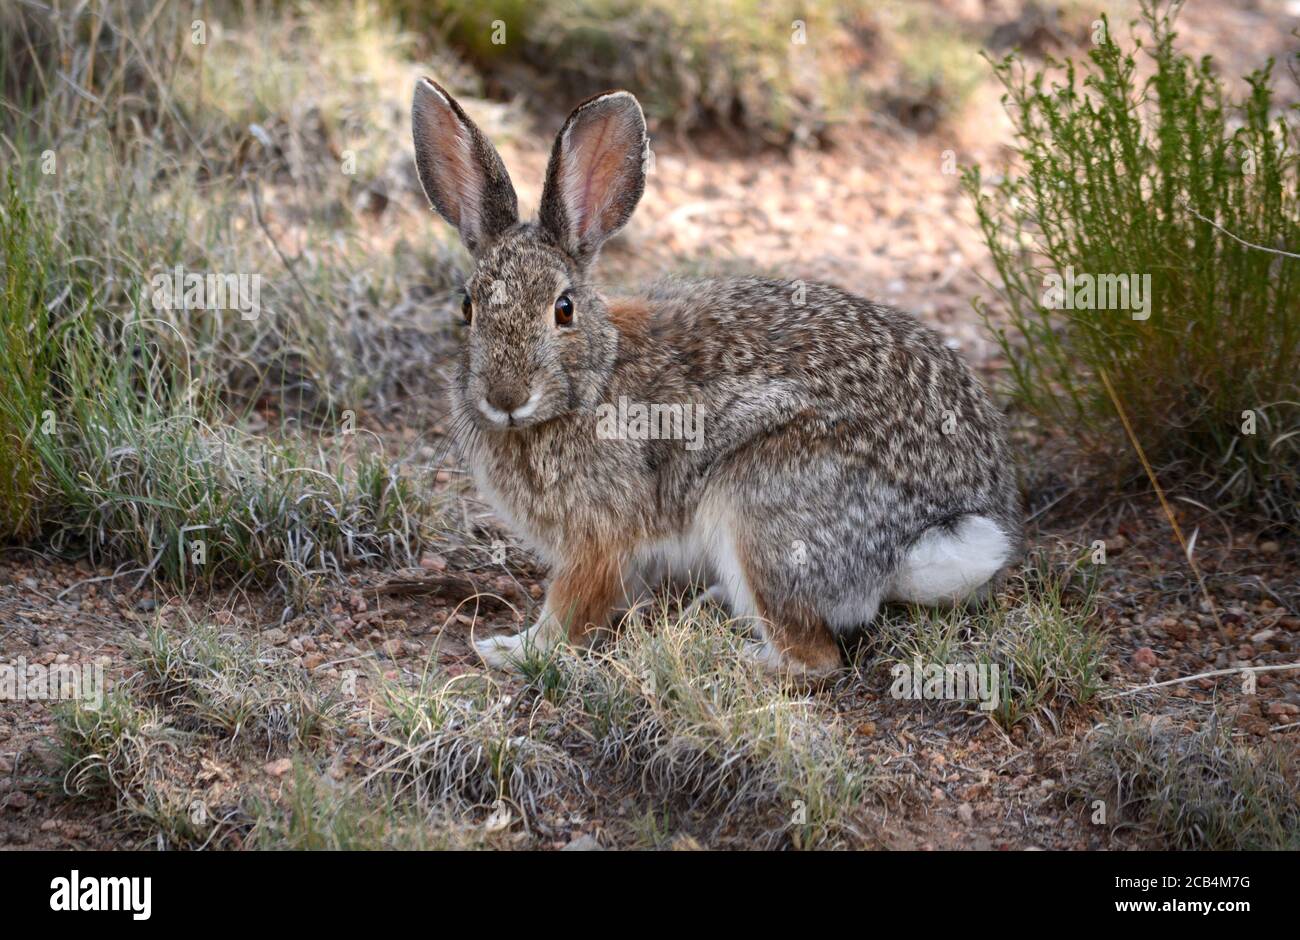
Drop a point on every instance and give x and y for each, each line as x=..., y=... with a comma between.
x=807, y=451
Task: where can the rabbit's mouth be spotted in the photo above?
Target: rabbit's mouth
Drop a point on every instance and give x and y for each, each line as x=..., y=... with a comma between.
x=516, y=417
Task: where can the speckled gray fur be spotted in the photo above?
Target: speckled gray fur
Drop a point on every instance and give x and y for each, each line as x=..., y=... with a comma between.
x=836, y=431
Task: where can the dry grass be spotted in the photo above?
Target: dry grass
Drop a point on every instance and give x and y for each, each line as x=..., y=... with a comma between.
x=262, y=171
x=127, y=756
x=461, y=745
x=193, y=696
x=224, y=685
x=1190, y=784
x=125, y=427
x=674, y=710
x=321, y=814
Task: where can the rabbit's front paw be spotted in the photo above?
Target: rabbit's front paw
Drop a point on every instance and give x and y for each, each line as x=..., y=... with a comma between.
x=502, y=652
x=510, y=650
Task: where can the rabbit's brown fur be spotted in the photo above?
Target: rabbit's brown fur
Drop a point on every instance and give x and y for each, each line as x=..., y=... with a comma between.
x=845, y=457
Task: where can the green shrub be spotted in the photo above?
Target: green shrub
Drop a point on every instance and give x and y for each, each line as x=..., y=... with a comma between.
x=24, y=361
x=1170, y=180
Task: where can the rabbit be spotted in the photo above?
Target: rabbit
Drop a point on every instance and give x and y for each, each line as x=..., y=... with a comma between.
x=844, y=455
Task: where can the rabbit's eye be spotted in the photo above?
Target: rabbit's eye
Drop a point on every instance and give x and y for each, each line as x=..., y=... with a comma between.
x=467, y=309
x=563, y=310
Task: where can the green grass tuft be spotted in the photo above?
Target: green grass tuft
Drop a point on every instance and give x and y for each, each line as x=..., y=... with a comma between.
x=674, y=705
x=320, y=814
x=25, y=353
x=458, y=744
x=224, y=685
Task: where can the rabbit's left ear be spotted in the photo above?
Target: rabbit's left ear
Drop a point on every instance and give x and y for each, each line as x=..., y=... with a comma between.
x=596, y=175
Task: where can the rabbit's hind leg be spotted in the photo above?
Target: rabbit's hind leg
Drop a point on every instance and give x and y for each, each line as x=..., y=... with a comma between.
x=754, y=577
x=796, y=639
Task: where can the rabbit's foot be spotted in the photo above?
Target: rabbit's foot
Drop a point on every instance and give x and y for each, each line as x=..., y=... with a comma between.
x=510, y=650
x=787, y=666
x=713, y=593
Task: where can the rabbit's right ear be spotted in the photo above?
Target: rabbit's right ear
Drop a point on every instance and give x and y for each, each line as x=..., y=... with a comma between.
x=461, y=172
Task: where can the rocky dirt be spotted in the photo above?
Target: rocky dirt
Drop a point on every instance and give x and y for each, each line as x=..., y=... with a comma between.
x=953, y=779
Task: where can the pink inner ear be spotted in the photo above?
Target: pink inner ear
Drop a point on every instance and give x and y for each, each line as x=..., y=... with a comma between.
x=596, y=170
x=456, y=174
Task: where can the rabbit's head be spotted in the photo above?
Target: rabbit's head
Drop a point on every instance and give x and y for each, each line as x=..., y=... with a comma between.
x=539, y=340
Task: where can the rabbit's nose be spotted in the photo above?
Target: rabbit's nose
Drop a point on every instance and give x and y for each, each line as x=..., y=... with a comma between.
x=508, y=398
